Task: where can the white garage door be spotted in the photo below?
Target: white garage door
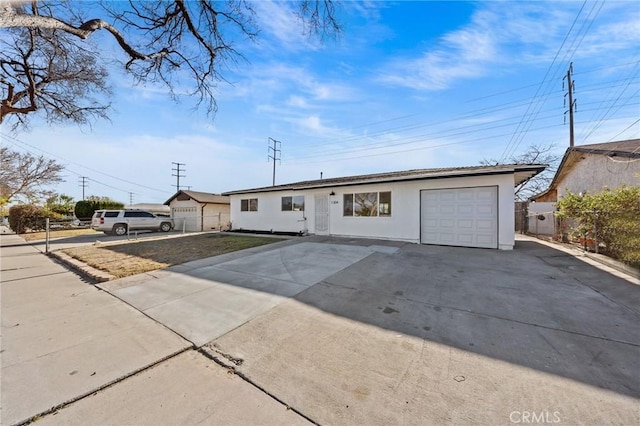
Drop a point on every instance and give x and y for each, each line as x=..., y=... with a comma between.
x=186, y=218
x=466, y=217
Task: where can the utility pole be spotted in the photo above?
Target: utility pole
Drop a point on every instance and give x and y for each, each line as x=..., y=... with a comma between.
x=130, y=198
x=178, y=175
x=572, y=102
x=84, y=182
x=274, y=157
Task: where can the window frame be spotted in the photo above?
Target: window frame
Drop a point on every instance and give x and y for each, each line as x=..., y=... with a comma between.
x=350, y=208
x=250, y=203
x=292, y=203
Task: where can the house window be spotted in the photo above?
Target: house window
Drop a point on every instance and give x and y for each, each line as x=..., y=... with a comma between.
x=367, y=204
x=249, y=205
x=293, y=204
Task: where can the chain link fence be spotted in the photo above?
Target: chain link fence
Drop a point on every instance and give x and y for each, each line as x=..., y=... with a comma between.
x=197, y=223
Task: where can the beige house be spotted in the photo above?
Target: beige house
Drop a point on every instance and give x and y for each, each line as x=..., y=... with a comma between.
x=594, y=168
x=199, y=211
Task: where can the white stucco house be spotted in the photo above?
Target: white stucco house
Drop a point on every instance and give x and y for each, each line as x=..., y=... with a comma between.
x=464, y=206
x=594, y=168
x=199, y=211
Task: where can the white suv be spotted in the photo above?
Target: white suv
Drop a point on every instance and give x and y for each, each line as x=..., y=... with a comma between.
x=119, y=222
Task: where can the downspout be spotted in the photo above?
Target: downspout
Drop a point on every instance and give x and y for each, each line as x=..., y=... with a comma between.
x=202, y=217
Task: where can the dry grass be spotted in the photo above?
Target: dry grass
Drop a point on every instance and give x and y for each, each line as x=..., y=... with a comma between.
x=32, y=236
x=124, y=259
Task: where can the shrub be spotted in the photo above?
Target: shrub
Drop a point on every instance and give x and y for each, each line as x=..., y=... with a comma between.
x=25, y=217
x=84, y=209
x=611, y=218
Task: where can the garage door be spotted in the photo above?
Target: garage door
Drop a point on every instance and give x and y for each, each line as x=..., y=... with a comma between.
x=186, y=218
x=466, y=217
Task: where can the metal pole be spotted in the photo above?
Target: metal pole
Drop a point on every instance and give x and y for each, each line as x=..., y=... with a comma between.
x=46, y=244
x=595, y=231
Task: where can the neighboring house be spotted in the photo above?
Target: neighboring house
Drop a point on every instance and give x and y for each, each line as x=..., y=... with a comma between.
x=159, y=209
x=466, y=206
x=594, y=168
x=199, y=211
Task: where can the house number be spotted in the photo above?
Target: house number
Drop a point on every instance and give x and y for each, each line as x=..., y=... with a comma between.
x=334, y=202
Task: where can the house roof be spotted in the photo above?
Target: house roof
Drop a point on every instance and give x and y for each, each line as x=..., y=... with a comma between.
x=627, y=148
x=201, y=197
x=521, y=173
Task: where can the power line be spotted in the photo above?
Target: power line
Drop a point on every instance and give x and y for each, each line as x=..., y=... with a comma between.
x=16, y=140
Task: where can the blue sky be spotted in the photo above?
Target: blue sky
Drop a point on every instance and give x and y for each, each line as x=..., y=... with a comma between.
x=406, y=85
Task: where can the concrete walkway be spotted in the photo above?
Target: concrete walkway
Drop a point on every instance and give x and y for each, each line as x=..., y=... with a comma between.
x=205, y=299
x=63, y=339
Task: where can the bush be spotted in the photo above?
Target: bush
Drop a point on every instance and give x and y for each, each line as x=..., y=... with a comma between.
x=84, y=209
x=612, y=218
x=28, y=217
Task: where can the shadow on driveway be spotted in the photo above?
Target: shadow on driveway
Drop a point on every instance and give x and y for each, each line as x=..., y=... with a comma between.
x=535, y=306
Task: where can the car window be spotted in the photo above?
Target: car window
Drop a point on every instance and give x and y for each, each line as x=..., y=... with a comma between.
x=131, y=214
x=110, y=214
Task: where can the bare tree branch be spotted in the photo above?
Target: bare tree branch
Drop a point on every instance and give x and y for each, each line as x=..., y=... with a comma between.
x=23, y=175
x=534, y=154
x=178, y=43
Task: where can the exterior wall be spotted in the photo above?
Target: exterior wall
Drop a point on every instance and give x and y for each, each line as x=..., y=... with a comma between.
x=216, y=216
x=403, y=224
x=192, y=221
x=595, y=173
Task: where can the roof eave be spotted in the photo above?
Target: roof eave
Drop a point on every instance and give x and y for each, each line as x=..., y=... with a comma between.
x=533, y=168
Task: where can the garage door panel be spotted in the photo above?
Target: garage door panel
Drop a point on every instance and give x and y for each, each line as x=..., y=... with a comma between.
x=465, y=209
x=465, y=196
x=485, y=224
x=485, y=240
x=465, y=239
x=485, y=194
x=460, y=217
x=465, y=225
x=485, y=210
x=446, y=224
x=446, y=209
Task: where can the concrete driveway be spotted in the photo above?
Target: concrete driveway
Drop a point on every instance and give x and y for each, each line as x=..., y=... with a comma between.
x=365, y=332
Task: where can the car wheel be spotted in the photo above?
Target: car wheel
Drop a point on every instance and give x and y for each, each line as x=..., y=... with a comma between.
x=120, y=229
x=165, y=227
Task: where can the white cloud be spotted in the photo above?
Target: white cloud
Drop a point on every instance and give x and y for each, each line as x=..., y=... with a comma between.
x=278, y=20
x=503, y=35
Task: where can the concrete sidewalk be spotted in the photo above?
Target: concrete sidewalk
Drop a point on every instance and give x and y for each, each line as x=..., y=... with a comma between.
x=63, y=339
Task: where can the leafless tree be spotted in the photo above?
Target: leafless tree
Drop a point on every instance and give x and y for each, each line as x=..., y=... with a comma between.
x=534, y=154
x=181, y=44
x=23, y=175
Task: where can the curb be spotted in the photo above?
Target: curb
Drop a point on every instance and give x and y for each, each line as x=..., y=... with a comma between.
x=94, y=274
x=612, y=263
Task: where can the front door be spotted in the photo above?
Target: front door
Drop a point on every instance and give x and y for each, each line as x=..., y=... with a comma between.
x=322, y=215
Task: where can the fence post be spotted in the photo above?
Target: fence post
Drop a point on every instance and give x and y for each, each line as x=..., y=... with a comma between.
x=595, y=231
x=47, y=235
